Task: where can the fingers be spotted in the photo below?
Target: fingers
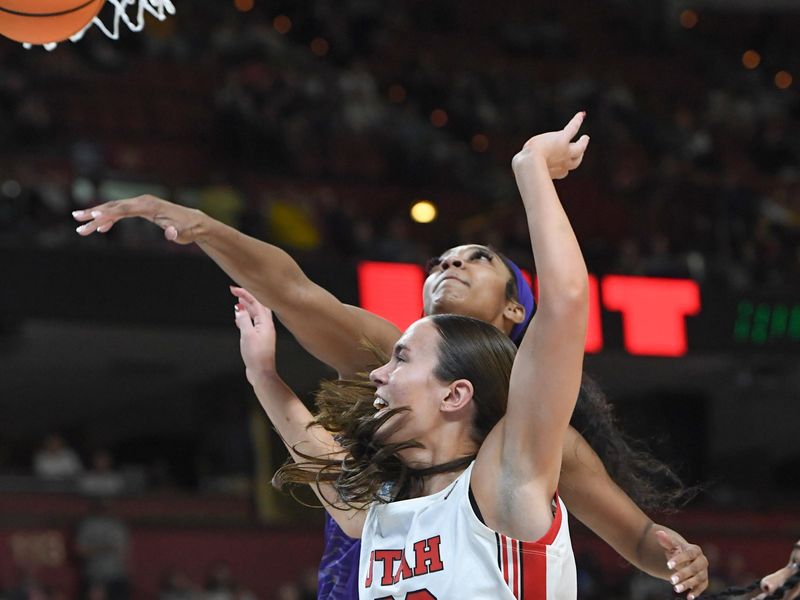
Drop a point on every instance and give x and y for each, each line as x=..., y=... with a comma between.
x=93, y=220
x=577, y=149
x=695, y=585
x=669, y=544
x=259, y=313
x=241, y=293
x=242, y=318
x=687, y=555
x=692, y=570
x=574, y=125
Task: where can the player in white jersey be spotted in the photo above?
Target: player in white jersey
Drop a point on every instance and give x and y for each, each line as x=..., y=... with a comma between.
x=454, y=403
x=440, y=548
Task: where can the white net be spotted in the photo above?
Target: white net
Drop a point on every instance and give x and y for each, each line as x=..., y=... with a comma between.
x=129, y=14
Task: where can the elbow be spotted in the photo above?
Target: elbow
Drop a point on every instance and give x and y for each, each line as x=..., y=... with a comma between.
x=576, y=292
x=565, y=303
x=570, y=299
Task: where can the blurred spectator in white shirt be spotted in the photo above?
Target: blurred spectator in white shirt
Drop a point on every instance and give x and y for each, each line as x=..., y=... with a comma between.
x=102, y=479
x=55, y=460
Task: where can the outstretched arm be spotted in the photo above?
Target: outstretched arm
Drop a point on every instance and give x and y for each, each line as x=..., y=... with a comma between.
x=545, y=379
x=596, y=501
x=328, y=329
x=288, y=414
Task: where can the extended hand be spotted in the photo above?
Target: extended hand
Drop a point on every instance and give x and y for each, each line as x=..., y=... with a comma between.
x=556, y=148
x=257, y=335
x=180, y=224
x=687, y=561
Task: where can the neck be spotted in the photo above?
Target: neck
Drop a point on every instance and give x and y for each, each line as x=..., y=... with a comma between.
x=436, y=483
x=439, y=453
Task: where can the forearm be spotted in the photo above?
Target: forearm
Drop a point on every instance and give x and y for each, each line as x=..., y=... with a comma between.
x=331, y=331
x=268, y=272
x=650, y=554
x=287, y=413
x=559, y=263
x=292, y=419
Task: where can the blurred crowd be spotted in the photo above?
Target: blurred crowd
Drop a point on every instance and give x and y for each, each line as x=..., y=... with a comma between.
x=275, y=117
x=314, y=125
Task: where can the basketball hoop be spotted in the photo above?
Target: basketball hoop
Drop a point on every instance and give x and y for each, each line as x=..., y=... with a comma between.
x=128, y=14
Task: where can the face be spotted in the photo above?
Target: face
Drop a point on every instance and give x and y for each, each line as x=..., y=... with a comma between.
x=408, y=381
x=775, y=580
x=469, y=280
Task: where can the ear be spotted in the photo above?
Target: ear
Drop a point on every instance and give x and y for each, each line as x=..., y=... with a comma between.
x=514, y=312
x=459, y=396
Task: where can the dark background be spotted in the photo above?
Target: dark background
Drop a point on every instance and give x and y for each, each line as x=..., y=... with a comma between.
x=319, y=139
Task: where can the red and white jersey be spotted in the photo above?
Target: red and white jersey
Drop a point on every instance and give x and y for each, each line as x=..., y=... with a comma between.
x=435, y=547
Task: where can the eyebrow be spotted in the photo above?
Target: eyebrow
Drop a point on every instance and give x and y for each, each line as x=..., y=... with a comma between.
x=471, y=247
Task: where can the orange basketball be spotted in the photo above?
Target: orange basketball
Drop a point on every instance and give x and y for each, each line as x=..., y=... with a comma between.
x=45, y=21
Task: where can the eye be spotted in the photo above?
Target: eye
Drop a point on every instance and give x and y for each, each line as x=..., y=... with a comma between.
x=481, y=254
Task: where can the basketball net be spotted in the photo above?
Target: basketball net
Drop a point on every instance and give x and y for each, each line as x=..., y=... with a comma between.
x=159, y=9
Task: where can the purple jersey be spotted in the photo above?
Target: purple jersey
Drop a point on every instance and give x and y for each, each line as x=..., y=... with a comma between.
x=338, y=568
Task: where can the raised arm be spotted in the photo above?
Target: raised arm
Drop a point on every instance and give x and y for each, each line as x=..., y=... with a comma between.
x=596, y=501
x=522, y=455
x=547, y=371
x=328, y=329
x=288, y=414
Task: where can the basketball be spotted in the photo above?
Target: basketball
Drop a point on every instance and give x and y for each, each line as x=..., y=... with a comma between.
x=45, y=21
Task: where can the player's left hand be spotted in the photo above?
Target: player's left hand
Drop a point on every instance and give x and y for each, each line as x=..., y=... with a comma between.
x=257, y=335
x=688, y=563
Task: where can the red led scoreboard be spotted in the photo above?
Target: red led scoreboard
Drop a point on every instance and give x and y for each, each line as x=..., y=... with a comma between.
x=646, y=316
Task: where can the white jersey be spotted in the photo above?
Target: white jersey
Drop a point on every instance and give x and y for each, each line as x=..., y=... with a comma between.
x=435, y=547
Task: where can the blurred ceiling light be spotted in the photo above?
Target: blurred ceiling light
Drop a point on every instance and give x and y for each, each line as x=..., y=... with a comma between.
x=480, y=143
x=11, y=188
x=783, y=79
x=397, y=93
x=320, y=46
x=438, y=117
x=751, y=59
x=423, y=211
x=282, y=24
x=689, y=19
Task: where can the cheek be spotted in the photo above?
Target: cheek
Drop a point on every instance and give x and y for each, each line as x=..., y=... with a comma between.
x=427, y=287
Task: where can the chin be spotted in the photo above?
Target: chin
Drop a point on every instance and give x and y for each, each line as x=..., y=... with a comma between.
x=391, y=431
x=446, y=305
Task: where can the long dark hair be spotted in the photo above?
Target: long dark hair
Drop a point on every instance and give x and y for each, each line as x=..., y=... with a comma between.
x=650, y=483
x=468, y=349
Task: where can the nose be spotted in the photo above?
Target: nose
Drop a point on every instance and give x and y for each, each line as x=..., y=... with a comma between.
x=453, y=262
x=377, y=376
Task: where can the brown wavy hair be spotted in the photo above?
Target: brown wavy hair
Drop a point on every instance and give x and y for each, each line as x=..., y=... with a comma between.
x=370, y=470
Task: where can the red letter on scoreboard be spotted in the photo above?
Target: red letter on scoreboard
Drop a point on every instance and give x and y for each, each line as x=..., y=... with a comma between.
x=653, y=312
x=392, y=291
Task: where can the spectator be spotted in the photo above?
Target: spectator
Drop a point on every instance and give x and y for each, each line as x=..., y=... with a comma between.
x=102, y=479
x=103, y=544
x=220, y=584
x=177, y=585
x=55, y=460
